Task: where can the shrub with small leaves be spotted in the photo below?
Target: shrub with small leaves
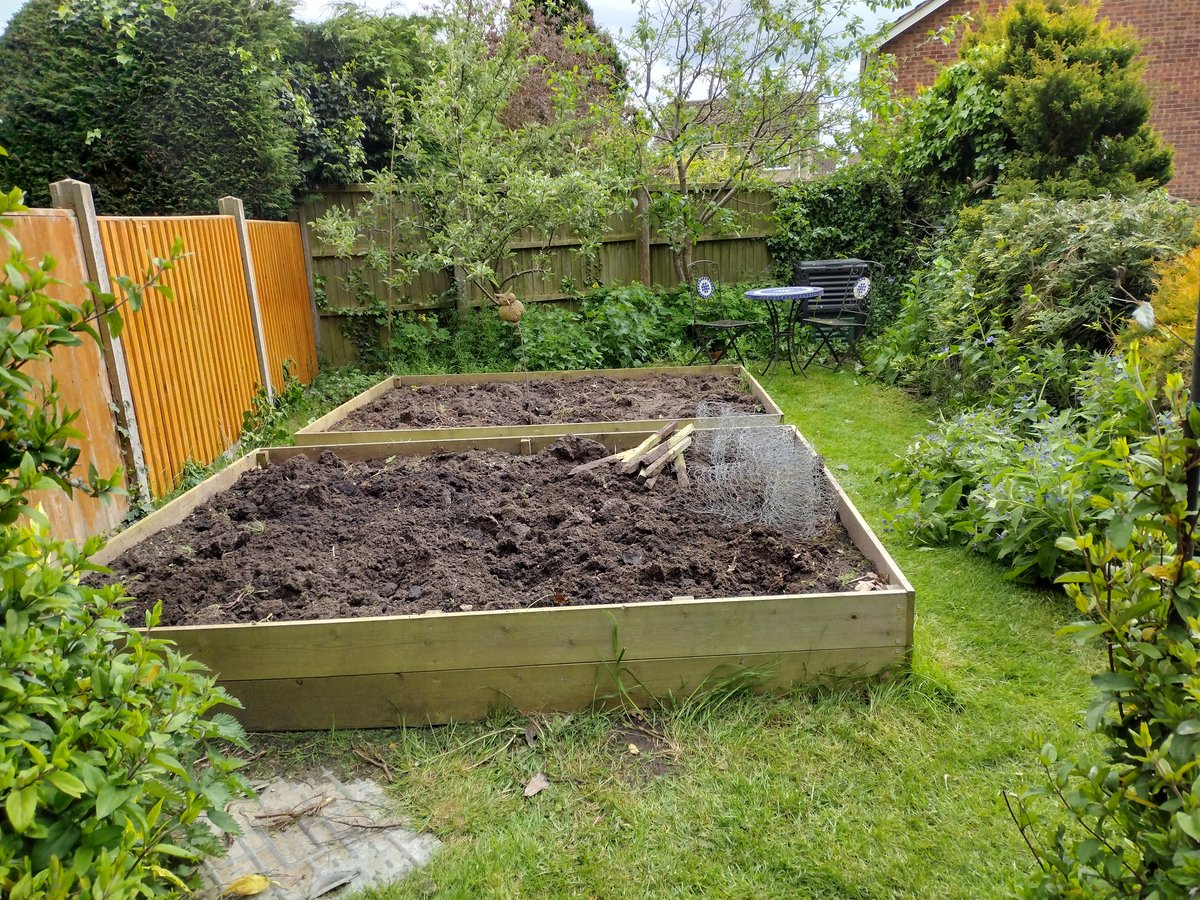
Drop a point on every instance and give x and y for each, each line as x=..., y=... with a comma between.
x=113, y=773
x=1133, y=808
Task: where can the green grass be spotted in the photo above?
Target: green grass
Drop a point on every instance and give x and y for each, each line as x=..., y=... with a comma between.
x=888, y=790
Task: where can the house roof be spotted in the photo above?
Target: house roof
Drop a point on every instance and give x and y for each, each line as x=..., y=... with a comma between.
x=910, y=18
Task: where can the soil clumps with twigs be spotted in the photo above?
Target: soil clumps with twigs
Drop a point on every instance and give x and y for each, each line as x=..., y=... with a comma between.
x=478, y=530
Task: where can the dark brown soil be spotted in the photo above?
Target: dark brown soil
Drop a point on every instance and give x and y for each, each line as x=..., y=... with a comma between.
x=543, y=400
x=476, y=530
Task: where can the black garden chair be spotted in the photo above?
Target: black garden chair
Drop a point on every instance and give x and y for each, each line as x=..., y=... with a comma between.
x=714, y=334
x=838, y=319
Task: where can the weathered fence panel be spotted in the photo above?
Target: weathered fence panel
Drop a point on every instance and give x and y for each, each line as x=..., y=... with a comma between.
x=82, y=378
x=278, y=254
x=192, y=362
x=347, y=283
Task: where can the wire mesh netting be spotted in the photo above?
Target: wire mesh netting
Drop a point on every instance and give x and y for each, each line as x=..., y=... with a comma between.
x=759, y=474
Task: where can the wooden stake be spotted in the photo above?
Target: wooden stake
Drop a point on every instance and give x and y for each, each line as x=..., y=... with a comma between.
x=659, y=464
x=681, y=473
x=631, y=461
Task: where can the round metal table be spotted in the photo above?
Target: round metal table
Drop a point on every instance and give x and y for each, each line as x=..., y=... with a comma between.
x=784, y=309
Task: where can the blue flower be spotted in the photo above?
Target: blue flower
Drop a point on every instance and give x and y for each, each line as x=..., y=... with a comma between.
x=990, y=339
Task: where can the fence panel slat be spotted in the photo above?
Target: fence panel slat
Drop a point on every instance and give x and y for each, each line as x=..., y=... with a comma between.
x=82, y=378
x=278, y=254
x=192, y=364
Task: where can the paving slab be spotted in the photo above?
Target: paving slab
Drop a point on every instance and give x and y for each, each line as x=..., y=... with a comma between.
x=319, y=837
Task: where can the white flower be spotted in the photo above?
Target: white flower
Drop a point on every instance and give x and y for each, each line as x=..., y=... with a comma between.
x=1143, y=315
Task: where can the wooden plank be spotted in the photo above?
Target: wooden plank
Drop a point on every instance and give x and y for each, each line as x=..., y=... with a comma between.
x=354, y=403
x=760, y=394
x=436, y=698
x=546, y=636
x=318, y=432
x=177, y=510
x=484, y=432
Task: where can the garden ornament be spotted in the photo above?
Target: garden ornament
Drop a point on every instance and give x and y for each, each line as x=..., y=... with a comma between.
x=510, y=307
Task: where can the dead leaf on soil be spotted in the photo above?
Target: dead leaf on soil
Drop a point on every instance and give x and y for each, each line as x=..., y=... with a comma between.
x=537, y=784
x=247, y=886
x=559, y=598
x=633, y=748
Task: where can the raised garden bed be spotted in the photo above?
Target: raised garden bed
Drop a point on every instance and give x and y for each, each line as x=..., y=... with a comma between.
x=467, y=407
x=564, y=586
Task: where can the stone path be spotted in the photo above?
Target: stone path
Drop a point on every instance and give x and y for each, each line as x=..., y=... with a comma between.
x=318, y=837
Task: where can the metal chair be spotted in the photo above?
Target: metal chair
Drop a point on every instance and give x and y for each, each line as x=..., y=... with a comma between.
x=715, y=337
x=838, y=319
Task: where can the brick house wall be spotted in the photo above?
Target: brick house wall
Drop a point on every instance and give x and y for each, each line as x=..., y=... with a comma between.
x=1170, y=31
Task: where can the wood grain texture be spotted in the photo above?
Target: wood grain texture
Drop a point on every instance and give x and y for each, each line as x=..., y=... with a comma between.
x=279, y=270
x=192, y=363
x=82, y=378
x=457, y=695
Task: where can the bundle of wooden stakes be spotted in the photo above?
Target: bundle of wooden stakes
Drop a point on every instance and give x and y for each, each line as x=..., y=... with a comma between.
x=648, y=459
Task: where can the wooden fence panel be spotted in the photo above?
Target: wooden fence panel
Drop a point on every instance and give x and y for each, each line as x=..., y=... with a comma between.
x=82, y=378
x=192, y=364
x=279, y=275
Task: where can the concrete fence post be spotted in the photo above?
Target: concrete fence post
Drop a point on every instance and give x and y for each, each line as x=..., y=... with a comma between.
x=76, y=196
x=232, y=206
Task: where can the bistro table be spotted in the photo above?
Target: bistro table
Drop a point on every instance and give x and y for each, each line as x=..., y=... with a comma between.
x=784, y=308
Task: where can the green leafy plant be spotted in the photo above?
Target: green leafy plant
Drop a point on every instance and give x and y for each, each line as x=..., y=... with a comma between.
x=112, y=759
x=1044, y=97
x=1009, y=479
x=1132, y=805
x=1018, y=278
x=859, y=211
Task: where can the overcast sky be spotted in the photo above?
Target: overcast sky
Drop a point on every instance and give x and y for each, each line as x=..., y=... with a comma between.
x=610, y=14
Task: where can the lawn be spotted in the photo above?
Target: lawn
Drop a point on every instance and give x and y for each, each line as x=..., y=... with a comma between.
x=892, y=789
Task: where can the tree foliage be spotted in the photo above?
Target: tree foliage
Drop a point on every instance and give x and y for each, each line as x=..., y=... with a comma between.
x=110, y=756
x=344, y=74
x=1043, y=93
x=725, y=91
x=464, y=183
x=162, y=115
x=563, y=41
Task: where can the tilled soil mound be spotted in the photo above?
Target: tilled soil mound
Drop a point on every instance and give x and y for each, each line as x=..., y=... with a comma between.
x=476, y=530
x=542, y=400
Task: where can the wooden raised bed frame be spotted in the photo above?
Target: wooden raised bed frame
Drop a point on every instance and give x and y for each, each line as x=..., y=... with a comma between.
x=317, y=432
x=430, y=669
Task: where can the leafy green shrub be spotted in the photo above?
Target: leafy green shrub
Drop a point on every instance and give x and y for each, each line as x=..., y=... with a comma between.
x=1009, y=480
x=110, y=757
x=344, y=73
x=553, y=337
x=1133, y=806
x=859, y=211
x=1020, y=277
x=165, y=120
x=1044, y=97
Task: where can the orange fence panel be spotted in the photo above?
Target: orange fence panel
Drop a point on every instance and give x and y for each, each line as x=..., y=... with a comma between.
x=192, y=364
x=283, y=299
x=82, y=379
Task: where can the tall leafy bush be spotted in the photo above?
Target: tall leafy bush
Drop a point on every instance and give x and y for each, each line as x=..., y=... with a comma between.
x=108, y=755
x=1044, y=93
x=859, y=211
x=1023, y=277
x=163, y=118
x=1132, y=801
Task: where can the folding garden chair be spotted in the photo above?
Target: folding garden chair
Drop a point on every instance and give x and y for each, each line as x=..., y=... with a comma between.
x=838, y=318
x=714, y=335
